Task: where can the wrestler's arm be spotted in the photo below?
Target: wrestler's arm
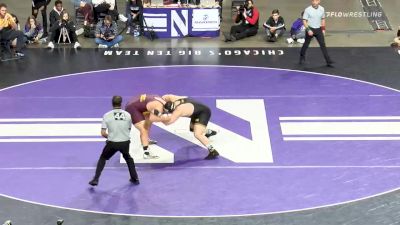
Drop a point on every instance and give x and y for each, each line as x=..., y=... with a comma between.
x=153, y=117
x=173, y=117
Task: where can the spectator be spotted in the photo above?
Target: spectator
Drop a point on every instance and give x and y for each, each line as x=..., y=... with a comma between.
x=247, y=16
x=41, y=5
x=14, y=42
x=107, y=7
x=16, y=21
x=396, y=42
x=107, y=33
x=86, y=9
x=33, y=30
x=274, y=26
x=298, y=31
x=8, y=30
x=56, y=29
x=56, y=13
x=134, y=9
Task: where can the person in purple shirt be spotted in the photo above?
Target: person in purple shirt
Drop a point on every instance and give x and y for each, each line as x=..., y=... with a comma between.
x=297, y=31
x=33, y=30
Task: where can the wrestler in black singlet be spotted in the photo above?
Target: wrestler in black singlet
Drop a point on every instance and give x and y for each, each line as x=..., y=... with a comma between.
x=201, y=113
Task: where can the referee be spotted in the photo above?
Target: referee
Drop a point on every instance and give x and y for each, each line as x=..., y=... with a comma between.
x=116, y=128
x=314, y=22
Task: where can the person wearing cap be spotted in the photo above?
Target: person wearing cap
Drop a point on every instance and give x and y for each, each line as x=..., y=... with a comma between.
x=116, y=127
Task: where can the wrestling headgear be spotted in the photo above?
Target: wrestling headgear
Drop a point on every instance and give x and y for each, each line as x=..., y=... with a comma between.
x=169, y=107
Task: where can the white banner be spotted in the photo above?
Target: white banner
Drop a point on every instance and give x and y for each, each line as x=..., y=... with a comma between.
x=205, y=19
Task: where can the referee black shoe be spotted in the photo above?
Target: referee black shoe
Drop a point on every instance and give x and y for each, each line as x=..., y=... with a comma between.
x=94, y=182
x=213, y=154
x=134, y=181
x=330, y=64
x=302, y=61
x=211, y=133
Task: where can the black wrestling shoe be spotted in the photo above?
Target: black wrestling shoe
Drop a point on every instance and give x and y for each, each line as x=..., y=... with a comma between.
x=134, y=181
x=212, y=155
x=211, y=134
x=94, y=182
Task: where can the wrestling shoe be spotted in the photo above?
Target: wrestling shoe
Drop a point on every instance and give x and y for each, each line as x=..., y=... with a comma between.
x=94, y=182
x=211, y=133
x=152, y=142
x=148, y=155
x=213, y=154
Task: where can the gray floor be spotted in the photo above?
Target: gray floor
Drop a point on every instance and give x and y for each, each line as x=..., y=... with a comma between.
x=341, y=32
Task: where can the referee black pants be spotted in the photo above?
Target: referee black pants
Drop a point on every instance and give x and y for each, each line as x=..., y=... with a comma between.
x=43, y=11
x=321, y=41
x=109, y=150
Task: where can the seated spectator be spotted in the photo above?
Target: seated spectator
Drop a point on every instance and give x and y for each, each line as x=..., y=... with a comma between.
x=70, y=28
x=14, y=42
x=134, y=9
x=107, y=7
x=8, y=30
x=247, y=16
x=298, y=31
x=396, y=42
x=274, y=26
x=33, y=30
x=16, y=21
x=41, y=5
x=107, y=33
x=89, y=25
x=86, y=9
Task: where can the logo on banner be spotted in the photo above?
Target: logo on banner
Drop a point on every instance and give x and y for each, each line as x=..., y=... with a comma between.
x=205, y=20
x=179, y=23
